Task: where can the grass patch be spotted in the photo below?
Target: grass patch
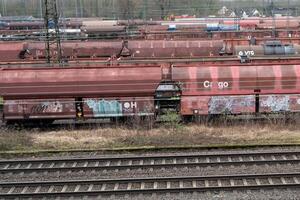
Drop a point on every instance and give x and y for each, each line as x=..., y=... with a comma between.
x=162, y=136
x=15, y=140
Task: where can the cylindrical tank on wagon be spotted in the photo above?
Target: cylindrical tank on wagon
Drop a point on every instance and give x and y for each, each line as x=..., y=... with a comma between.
x=297, y=49
x=212, y=27
x=290, y=50
x=99, y=23
x=136, y=22
x=100, y=29
x=26, y=25
x=71, y=24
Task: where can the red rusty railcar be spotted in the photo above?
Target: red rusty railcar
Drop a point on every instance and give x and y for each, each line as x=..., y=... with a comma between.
x=40, y=109
x=77, y=49
x=72, y=50
x=238, y=89
x=11, y=50
x=133, y=48
x=193, y=89
x=79, y=81
x=176, y=48
x=59, y=93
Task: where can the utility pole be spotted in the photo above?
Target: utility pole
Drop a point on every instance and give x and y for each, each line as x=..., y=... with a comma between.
x=52, y=42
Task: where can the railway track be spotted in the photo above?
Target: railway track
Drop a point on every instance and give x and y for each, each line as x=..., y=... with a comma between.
x=148, y=185
x=148, y=162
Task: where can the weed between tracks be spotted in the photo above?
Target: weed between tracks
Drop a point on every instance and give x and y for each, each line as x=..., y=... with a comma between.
x=163, y=135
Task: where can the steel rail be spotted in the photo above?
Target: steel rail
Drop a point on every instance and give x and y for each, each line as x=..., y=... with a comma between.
x=146, y=185
x=156, y=161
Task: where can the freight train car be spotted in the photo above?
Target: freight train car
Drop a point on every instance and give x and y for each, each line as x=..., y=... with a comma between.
x=57, y=93
x=139, y=49
x=131, y=48
x=240, y=89
x=270, y=48
x=81, y=92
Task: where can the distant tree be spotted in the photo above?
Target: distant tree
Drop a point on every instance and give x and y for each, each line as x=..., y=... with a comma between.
x=164, y=6
x=125, y=8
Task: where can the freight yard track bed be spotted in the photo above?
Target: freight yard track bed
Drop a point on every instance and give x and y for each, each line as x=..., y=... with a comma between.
x=149, y=185
x=150, y=162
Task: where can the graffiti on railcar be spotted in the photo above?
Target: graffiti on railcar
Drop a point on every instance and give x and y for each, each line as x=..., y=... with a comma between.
x=280, y=103
x=105, y=108
x=47, y=107
x=274, y=103
x=203, y=105
x=121, y=107
x=231, y=104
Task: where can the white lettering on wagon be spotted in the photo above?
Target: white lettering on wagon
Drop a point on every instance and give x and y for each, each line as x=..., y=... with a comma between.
x=221, y=85
x=246, y=53
x=129, y=105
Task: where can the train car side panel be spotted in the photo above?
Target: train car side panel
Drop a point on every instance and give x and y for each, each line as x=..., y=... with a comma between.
x=79, y=82
x=26, y=109
x=117, y=107
x=204, y=105
x=279, y=103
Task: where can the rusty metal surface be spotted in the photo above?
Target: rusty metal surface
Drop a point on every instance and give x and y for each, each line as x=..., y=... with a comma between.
x=100, y=29
x=80, y=81
x=136, y=48
x=11, y=50
x=196, y=105
x=278, y=24
x=238, y=80
x=40, y=108
x=74, y=50
x=279, y=103
x=175, y=48
x=112, y=107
